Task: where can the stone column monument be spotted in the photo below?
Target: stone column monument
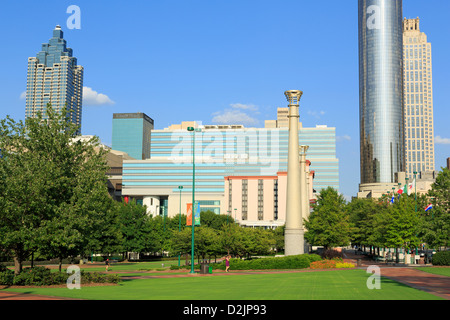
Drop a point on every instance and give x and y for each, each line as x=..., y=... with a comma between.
x=304, y=191
x=293, y=234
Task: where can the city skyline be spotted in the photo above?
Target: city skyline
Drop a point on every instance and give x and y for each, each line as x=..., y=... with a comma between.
x=218, y=67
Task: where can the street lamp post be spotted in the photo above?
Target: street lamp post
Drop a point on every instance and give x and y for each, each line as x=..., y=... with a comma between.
x=415, y=189
x=193, y=130
x=179, y=224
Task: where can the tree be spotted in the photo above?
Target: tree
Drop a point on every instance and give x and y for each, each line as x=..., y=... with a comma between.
x=366, y=220
x=400, y=224
x=133, y=224
x=328, y=225
x=54, y=197
x=436, y=227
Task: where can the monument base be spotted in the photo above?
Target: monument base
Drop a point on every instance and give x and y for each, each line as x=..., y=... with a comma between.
x=294, y=242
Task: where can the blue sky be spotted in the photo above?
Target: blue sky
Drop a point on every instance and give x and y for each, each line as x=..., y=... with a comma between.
x=199, y=59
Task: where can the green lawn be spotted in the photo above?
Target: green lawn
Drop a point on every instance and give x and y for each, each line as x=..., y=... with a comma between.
x=442, y=271
x=327, y=285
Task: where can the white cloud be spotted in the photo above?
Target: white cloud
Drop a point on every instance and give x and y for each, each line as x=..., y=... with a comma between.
x=343, y=138
x=23, y=95
x=249, y=107
x=440, y=140
x=236, y=115
x=316, y=114
x=93, y=98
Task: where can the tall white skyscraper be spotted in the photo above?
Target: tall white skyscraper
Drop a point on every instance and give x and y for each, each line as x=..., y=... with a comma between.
x=418, y=96
x=55, y=78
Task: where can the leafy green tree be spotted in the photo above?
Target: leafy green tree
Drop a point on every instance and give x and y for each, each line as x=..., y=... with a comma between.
x=329, y=224
x=133, y=224
x=54, y=194
x=366, y=221
x=436, y=227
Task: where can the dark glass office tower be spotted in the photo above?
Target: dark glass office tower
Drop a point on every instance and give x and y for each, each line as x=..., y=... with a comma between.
x=381, y=90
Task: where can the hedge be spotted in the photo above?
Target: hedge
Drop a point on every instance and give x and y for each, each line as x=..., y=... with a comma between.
x=41, y=276
x=290, y=262
x=441, y=258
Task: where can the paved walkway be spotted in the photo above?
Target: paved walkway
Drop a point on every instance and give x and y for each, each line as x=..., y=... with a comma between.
x=433, y=284
x=26, y=296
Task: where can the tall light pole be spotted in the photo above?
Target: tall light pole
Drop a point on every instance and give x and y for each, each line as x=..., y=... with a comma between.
x=415, y=189
x=179, y=224
x=294, y=233
x=193, y=130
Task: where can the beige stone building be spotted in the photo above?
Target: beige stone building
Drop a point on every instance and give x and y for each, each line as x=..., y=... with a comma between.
x=418, y=97
x=260, y=201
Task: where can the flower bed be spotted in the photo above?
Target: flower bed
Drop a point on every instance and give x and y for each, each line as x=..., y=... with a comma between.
x=331, y=264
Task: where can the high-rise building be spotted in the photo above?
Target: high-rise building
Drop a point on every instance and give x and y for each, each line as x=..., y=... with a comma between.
x=381, y=92
x=225, y=155
x=418, y=90
x=131, y=133
x=55, y=78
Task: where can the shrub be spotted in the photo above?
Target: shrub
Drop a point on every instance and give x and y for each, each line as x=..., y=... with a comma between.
x=38, y=276
x=323, y=264
x=340, y=265
x=332, y=254
x=6, y=278
x=290, y=262
x=441, y=258
x=41, y=276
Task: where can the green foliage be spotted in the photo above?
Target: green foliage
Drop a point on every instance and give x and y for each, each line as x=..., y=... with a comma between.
x=435, y=229
x=54, y=198
x=441, y=258
x=290, y=262
x=41, y=276
x=328, y=225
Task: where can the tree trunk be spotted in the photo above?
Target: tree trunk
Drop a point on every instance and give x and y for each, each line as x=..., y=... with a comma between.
x=60, y=264
x=17, y=265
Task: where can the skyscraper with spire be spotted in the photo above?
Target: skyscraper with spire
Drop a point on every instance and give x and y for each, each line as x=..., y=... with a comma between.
x=55, y=78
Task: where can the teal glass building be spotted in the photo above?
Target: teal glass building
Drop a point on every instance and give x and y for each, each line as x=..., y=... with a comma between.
x=222, y=153
x=131, y=133
x=55, y=78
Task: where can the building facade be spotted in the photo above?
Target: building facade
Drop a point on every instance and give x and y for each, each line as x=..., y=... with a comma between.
x=418, y=90
x=260, y=201
x=131, y=133
x=55, y=78
x=381, y=91
x=222, y=154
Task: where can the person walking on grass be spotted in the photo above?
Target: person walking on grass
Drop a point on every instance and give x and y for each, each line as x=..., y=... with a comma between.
x=107, y=264
x=227, y=263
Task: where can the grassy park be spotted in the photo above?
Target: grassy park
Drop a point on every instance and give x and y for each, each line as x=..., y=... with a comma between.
x=179, y=285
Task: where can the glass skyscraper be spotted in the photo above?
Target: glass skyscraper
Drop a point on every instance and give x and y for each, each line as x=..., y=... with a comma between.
x=55, y=78
x=381, y=90
x=132, y=133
